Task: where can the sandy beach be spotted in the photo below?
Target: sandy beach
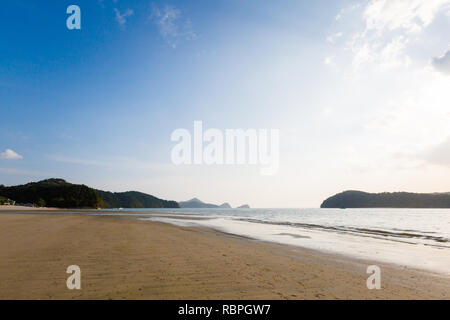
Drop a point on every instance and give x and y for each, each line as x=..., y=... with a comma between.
x=130, y=259
x=10, y=208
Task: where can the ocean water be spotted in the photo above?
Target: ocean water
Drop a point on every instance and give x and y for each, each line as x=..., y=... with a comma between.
x=416, y=238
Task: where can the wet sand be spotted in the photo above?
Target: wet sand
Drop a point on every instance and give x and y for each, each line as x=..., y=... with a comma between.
x=130, y=259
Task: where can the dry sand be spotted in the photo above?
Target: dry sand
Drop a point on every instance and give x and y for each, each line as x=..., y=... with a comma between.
x=129, y=259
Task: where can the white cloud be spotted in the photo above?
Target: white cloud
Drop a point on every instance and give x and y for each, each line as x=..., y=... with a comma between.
x=409, y=15
x=442, y=63
x=329, y=61
x=392, y=55
x=10, y=154
x=382, y=55
x=121, y=18
x=411, y=119
x=334, y=37
x=439, y=154
x=171, y=25
x=346, y=11
x=390, y=28
x=362, y=54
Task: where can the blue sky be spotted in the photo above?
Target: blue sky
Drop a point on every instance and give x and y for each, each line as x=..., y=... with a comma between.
x=359, y=90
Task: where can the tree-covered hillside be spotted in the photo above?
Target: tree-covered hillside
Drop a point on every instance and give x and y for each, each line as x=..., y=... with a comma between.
x=358, y=199
x=53, y=193
x=5, y=201
x=59, y=193
x=133, y=199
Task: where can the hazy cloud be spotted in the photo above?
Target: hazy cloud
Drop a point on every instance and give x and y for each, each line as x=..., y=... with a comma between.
x=409, y=15
x=20, y=172
x=171, y=25
x=389, y=27
x=118, y=162
x=346, y=11
x=329, y=61
x=10, y=154
x=81, y=161
x=440, y=154
x=121, y=18
x=442, y=63
x=334, y=37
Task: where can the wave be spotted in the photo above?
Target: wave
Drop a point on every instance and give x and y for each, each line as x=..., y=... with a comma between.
x=401, y=234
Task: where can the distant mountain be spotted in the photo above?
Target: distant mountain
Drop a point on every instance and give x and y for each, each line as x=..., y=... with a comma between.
x=358, y=199
x=196, y=203
x=59, y=193
x=244, y=206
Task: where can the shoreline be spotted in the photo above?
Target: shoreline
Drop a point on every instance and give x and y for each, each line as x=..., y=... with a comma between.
x=11, y=208
x=131, y=259
x=191, y=220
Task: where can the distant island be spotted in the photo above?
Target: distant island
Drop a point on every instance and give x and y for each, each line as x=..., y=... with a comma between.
x=359, y=199
x=59, y=193
x=196, y=203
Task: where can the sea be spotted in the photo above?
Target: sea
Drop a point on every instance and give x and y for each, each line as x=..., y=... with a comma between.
x=414, y=238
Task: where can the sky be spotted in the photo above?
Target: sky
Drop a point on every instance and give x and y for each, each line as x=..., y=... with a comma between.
x=359, y=91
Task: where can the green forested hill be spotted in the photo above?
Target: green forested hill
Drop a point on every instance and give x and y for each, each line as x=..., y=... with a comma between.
x=133, y=199
x=4, y=201
x=61, y=194
x=53, y=193
x=358, y=199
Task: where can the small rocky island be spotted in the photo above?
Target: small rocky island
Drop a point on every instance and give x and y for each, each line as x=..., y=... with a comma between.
x=197, y=203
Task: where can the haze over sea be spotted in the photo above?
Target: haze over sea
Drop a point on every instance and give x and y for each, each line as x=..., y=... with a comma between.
x=417, y=238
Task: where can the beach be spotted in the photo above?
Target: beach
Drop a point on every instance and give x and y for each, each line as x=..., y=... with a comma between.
x=124, y=258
